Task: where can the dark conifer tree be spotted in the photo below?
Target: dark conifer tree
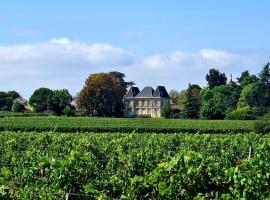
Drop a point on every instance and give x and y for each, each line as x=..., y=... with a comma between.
x=191, y=105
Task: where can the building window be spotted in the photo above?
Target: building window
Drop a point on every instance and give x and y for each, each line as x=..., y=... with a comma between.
x=146, y=103
x=157, y=103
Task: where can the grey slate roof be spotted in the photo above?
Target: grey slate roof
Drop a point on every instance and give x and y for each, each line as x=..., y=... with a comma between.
x=161, y=92
x=133, y=91
x=146, y=92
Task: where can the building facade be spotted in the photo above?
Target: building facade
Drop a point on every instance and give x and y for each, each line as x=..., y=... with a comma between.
x=147, y=102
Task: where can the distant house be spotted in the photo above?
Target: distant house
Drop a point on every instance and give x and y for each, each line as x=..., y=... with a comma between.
x=147, y=102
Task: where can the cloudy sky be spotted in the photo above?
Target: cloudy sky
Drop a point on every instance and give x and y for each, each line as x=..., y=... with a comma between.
x=57, y=44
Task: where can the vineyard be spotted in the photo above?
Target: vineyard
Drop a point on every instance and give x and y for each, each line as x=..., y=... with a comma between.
x=23, y=114
x=46, y=157
x=134, y=166
x=124, y=125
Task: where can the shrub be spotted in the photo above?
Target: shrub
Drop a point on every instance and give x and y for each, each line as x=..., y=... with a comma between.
x=49, y=112
x=213, y=109
x=80, y=114
x=175, y=114
x=260, y=111
x=244, y=113
x=69, y=111
x=166, y=110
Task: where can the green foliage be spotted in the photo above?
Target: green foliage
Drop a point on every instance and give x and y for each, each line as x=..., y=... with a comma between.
x=242, y=113
x=229, y=95
x=134, y=166
x=50, y=101
x=215, y=78
x=6, y=101
x=17, y=107
x=256, y=96
x=179, y=97
x=175, y=114
x=50, y=112
x=212, y=105
x=166, y=110
x=213, y=109
x=246, y=79
x=13, y=94
x=60, y=100
x=191, y=104
x=264, y=76
x=69, y=111
x=260, y=111
x=21, y=114
x=248, y=96
x=219, y=101
x=40, y=99
x=139, y=125
x=263, y=124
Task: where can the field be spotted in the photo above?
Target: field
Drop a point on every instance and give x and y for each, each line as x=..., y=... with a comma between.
x=23, y=114
x=134, y=166
x=138, y=125
x=45, y=157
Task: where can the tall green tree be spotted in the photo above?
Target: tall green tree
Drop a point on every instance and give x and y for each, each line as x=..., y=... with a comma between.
x=196, y=89
x=44, y=99
x=229, y=95
x=247, y=78
x=3, y=97
x=212, y=106
x=244, y=74
x=253, y=96
x=215, y=78
x=264, y=76
x=60, y=100
x=41, y=99
x=250, y=96
x=191, y=104
x=6, y=101
x=13, y=94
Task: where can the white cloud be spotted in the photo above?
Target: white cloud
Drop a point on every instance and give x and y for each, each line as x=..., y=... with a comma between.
x=220, y=58
x=63, y=50
x=203, y=58
x=176, y=60
x=59, y=63
x=62, y=63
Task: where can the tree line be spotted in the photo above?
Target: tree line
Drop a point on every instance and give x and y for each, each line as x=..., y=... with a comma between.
x=102, y=95
x=246, y=98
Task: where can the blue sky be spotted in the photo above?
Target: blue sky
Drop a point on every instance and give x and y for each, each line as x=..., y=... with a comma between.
x=54, y=43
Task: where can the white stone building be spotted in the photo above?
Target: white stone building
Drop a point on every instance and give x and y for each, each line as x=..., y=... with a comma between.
x=147, y=102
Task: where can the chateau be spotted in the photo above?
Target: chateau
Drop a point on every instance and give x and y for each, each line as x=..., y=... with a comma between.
x=147, y=102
